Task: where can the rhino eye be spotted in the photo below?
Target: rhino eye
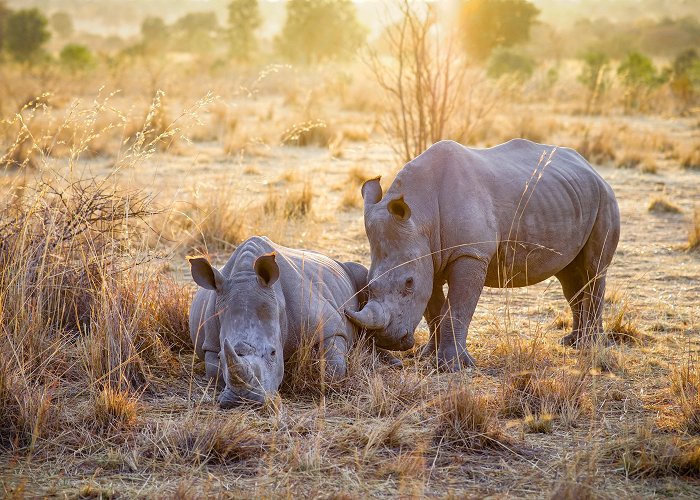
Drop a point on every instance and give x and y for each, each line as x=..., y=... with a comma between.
x=273, y=353
x=409, y=283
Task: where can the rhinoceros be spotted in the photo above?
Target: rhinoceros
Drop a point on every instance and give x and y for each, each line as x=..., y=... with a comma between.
x=251, y=316
x=507, y=216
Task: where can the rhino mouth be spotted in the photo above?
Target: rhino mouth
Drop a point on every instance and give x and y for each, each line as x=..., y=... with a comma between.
x=232, y=399
x=404, y=343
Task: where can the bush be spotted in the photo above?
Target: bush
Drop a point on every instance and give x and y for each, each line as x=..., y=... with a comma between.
x=76, y=58
x=506, y=62
x=25, y=34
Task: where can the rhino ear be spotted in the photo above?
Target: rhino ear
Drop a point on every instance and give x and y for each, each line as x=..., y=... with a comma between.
x=267, y=269
x=205, y=275
x=372, y=191
x=399, y=209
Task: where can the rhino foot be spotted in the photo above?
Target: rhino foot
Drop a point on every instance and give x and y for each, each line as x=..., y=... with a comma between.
x=389, y=359
x=454, y=362
x=427, y=351
x=579, y=341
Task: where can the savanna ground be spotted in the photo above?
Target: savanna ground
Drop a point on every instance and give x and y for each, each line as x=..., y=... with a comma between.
x=100, y=394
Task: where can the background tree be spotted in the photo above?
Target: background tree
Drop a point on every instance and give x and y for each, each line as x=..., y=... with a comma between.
x=506, y=62
x=25, y=34
x=638, y=75
x=430, y=93
x=76, y=58
x=197, y=31
x=488, y=24
x=594, y=76
x=317, y=30
x=243, y=19
x=685, y=77
x=4, y=15
x=62, y=24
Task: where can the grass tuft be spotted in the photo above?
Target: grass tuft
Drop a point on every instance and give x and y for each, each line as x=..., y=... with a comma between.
x=661, y=205
x=466, y=422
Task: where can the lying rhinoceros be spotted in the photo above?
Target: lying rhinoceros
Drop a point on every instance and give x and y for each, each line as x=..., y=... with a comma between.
x=250, y=317
x=507, y=216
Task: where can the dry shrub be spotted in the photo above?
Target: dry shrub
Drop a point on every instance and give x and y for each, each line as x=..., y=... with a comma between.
x=465, y=421
x=599, y=357
x=694, y=232
x=645, y=452
x=309, y=133
x=542, y=392
x=114, y=409
x=217, y=221
x=597, y=148
x=539, y=424
x=622, y=324
x=661, y=205
x=208, y=439
x=690, y=158
x=295, y=203
x=381, y=392
x=516, y=354
x=685, y=384
x=27, y=410
x=404, y=466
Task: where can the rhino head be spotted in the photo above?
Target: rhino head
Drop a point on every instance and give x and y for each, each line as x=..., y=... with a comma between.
x=250, y=316
x=401, y=273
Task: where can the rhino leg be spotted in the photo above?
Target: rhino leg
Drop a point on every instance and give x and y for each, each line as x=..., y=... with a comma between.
x=334, y=353
x=213, y=369
x=466, y=278
x=433, y=315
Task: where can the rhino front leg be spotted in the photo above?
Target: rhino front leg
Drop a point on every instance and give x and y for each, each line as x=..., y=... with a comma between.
x=433, y=315
x=466, y=278
x=334, y=354
x=213, y=369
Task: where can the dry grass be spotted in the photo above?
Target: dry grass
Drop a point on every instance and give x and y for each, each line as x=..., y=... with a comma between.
x=660, y=204
x=296, y=203
x=690, y=158
x=685, y=386
x=644, y=452
x=101, y=395
x=694, y=232
x=466, y=421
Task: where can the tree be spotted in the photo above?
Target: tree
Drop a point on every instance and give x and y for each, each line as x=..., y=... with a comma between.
x=196, y=31
x=317, y=30
x=488, y=24
x=638, y=75
x=593, y=75
x=507, y=62
x=62, y=24
x=430, y=94
x=25, y=34
x=243, y=19
x=76, y=58
x=4, y=15
x=153, y=30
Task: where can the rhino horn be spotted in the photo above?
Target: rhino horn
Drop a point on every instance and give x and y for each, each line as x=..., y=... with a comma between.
x=238, y=369
x=371, y=317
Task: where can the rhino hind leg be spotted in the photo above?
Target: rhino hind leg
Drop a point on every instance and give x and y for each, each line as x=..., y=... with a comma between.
x=583, y=284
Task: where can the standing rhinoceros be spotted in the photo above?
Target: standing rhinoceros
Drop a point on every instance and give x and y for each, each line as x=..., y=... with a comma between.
x=250, y=316
x=508, y=216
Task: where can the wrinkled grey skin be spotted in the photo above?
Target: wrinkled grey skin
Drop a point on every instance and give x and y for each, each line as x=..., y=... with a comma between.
x=248, y=318
x=506, y=216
